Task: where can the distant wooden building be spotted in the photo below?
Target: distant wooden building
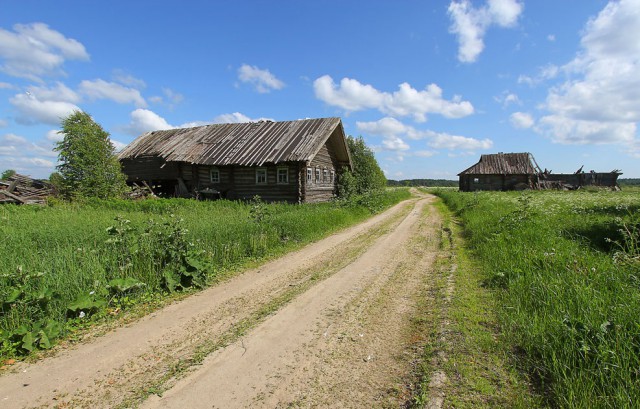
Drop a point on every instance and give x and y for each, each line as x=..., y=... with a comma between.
x=500, y=171
x=518, y=171
x=292, y=161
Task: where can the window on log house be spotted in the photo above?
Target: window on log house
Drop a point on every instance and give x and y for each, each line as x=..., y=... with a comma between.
x=325, y=176
x=261, y=176
x=317, y=175
x=215, y=175
x=309, y=175
x=283, y=175
x=333, y=176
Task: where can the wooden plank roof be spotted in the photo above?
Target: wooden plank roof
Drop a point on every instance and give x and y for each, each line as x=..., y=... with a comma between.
x=245, y=144
x=502, y=164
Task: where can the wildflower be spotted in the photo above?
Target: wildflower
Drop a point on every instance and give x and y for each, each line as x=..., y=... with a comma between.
x=82, y=314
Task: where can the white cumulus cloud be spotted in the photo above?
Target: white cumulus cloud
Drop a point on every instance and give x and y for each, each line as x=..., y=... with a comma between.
x=101, y=89
x=26, y=157
x=443, y=140
x=54, y=135
x=470, y=24
x=394, y=143
x=235, y=118
x=521, y=120
x=34, y=50
x=393, y=130
x=144, y=120
x=32, y=110
x=59, y=92
x=262, y=80
x=600, y=102
x=351, y=95
x=125, y=78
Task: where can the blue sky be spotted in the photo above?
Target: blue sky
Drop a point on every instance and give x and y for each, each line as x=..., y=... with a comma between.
x=430, y=85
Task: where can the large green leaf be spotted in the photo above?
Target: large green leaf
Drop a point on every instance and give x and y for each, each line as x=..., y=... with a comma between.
x=122, y=285
x=87, y=303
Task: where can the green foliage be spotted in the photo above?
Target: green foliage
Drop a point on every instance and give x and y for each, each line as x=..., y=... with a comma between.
x=86, y=305
x=161, y=246
x=7, y=174
x=423, y=182
x=88, y=166
x=124, y=285
x=40, y=335
x=259, y=210
x=564, y=268
x=366, y=175
x=629, y=182
x=24, y=294
x=57, y=181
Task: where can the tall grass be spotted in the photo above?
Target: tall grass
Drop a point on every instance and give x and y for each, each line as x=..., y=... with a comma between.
x=55, y=255
x=565, y=267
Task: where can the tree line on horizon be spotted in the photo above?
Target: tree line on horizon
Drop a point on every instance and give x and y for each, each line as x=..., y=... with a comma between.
x=423, y=182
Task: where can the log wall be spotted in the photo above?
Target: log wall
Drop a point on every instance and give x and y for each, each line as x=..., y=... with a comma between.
x=470, y=183
x=239, y=182
x=324, y=189
x=148, y=168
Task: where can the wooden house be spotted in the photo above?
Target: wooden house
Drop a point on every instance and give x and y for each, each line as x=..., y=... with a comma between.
x=291, y=161
x=500, y=171
x=518, y=171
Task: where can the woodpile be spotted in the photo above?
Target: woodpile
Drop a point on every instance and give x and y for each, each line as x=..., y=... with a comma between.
x=140, y=191
x=20, y=189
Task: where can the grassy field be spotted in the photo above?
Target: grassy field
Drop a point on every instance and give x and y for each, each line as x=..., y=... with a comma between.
x=68, y=264
x=565, y=267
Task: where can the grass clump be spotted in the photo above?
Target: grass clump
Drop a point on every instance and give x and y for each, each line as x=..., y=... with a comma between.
x=564, y=268
x=70, y=263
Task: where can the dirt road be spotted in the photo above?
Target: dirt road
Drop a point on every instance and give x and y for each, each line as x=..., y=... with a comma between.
x=326, y=326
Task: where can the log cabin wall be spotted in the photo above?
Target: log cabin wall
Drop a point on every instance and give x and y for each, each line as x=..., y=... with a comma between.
x=471, y=183
x=149, y=168
x=322, y=184
x=243, y=182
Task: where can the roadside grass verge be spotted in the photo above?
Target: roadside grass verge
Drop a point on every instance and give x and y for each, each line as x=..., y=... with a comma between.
x=463, y=364
x=67, y=266
x=563, y=268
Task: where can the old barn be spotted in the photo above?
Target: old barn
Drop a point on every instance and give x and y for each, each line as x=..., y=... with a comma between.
x=518, y=171
x=500, y=171
x=292, y=161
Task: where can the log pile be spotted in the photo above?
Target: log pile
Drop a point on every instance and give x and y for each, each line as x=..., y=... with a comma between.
x=142, y=191
x=20, y=189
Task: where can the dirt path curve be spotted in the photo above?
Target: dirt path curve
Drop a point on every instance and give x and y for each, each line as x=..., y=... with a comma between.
x=324, y=326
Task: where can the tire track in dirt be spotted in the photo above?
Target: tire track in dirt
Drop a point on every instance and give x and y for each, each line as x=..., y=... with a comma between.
x=149, y=355
x=342, y=343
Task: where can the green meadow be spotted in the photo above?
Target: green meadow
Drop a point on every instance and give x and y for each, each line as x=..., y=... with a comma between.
x=565, y=269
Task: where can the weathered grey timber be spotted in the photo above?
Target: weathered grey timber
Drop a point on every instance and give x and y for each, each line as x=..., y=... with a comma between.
x=500, y=171
x=517, y=171
x=292, y=161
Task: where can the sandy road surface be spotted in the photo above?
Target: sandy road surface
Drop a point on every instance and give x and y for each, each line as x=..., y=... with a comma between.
x=327, y=325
